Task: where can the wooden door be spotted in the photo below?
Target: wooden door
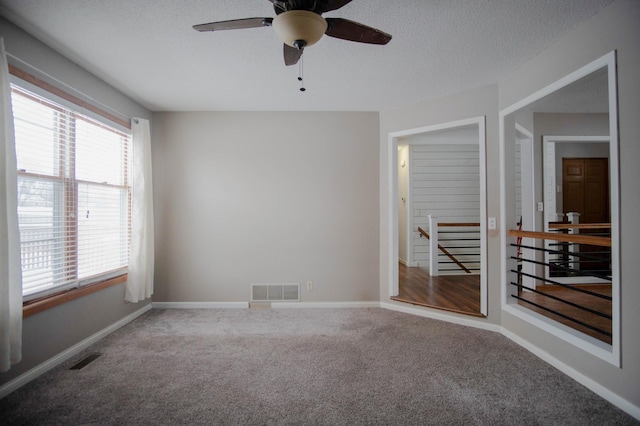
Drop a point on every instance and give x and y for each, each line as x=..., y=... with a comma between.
x=585, y=183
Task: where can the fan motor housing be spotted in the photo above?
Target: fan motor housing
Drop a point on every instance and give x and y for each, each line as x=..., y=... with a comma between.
x=295, y=26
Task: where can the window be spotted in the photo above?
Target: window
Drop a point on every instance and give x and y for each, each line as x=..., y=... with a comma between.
x=73, y=196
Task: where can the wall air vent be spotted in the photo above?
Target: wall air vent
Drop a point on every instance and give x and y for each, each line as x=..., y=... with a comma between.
x=275, y=292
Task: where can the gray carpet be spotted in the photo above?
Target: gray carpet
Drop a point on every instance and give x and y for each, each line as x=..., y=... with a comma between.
x=305, y=367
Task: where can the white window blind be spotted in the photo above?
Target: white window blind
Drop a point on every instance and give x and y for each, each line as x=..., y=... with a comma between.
x=73, y=196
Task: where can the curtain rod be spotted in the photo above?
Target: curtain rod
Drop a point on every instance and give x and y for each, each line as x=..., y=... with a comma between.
x=96, y=102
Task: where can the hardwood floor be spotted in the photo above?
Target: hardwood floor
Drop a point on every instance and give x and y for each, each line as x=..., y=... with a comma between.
x=461, y=294
x=591, y=302
x=455, y=293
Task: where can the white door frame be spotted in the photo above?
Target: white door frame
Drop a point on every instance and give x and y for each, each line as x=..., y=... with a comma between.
x=527, y=170
x=392, y=231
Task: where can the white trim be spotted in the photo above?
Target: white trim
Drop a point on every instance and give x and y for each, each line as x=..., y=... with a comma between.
x=63, y=356
x=435, y=127
x=201, y=305
x=484, y=300
x=527, y=171
x=607, y=60
x=392, y=184
x=324, y=305
x=580, y=280
x=409, y=264
x=526, y=135
x=582, y=341
x=392, y=254
x=410, y=214
x=503, y=209
x=612, y=354
x=441, y=316
x=620, y=402
x=274, y=305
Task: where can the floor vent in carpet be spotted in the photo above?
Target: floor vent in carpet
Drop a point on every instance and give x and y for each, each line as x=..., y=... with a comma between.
x=275, y=292
x=86, y=361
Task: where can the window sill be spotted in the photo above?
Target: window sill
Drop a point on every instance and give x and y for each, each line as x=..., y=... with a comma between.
x=35, y=306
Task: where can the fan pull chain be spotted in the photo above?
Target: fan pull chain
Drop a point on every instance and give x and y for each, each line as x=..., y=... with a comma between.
x=301, y=73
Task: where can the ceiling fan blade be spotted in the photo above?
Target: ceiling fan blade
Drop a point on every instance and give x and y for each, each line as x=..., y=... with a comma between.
x=291, y=55
x=334, y=4
x=354, y=31
x=235, y=24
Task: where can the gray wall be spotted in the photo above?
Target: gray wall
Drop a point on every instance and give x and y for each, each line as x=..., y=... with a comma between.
x=266, y=197
x=615, y=28
x=51, y=332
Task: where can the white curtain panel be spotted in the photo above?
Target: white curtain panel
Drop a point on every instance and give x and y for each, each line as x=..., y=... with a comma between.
x=140, y=282
x=10, y=267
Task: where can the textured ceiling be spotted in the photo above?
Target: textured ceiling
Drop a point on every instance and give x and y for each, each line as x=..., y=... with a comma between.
x=148, y=50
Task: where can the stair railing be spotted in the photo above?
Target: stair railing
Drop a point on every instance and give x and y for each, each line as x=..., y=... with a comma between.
x=563, y=246
x=453, y=241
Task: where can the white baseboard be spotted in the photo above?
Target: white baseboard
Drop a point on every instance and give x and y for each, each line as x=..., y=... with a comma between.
x=274, y=305
x=580, y=280
x=479, y=323
x=592, y=385
x=301, y=305
x=58, y=359
x=200, y=305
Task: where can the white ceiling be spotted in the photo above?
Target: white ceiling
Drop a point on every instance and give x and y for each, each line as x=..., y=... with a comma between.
x=148, y=50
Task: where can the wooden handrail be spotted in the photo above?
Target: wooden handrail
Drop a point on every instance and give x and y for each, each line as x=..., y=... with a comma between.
x=580, y=226
x=444, y=250
x=459, y=224
x=565, y=238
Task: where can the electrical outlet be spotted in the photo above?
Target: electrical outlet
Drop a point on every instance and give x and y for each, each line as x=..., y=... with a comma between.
x=309, y=285
x=492, y=223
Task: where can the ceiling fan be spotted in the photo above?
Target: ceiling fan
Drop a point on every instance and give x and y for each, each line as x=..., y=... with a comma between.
x=299, y=24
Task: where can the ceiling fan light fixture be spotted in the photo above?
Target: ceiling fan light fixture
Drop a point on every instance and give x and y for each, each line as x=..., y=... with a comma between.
x=296, y=26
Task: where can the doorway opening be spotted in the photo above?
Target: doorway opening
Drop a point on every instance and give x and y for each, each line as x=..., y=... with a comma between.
x=577, y=193
x=438, y=182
